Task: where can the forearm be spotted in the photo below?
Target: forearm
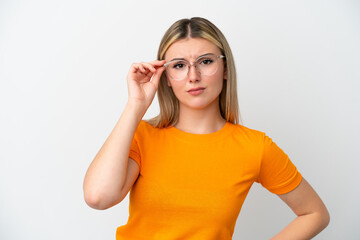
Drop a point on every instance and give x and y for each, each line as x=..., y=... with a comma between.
x=304, y=227
x=107, y=173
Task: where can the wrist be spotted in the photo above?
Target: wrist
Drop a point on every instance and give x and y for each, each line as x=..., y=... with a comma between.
x=136, y=108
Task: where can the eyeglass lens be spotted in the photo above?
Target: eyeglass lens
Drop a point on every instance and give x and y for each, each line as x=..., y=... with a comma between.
x=206, y=65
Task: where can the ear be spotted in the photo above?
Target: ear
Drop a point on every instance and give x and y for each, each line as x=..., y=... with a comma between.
x=225, y=74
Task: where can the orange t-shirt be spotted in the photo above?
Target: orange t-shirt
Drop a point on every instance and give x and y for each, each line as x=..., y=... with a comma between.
x=192, y=186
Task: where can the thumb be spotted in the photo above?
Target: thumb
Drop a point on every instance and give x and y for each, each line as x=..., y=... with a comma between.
x=157, y=75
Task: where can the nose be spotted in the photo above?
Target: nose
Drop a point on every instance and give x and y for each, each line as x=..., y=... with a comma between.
x=193, y=73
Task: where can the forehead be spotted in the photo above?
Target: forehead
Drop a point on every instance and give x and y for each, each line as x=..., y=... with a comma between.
x=190, y=49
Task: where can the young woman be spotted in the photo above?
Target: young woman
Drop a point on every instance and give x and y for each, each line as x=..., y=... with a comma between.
x=190, y=168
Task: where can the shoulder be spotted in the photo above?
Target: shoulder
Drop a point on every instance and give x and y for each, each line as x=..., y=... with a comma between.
x=247, y=132
x=146, y=126
x=145, y=129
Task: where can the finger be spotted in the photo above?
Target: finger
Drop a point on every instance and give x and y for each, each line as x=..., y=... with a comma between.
x=152, y=66
x=142, y=68
x=149, y=66
x=149, y=75
x=158, y=62
x=136, y=67
x=157, y=75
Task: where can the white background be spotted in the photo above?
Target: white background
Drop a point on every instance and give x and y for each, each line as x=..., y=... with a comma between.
x=63, y=68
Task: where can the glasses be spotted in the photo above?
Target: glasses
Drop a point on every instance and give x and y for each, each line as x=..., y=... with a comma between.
x=206, y=65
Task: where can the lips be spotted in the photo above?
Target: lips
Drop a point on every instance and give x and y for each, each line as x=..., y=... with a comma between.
x=195, y=89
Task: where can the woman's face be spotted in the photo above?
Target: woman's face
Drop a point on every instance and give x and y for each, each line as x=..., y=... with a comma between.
x=190, y=49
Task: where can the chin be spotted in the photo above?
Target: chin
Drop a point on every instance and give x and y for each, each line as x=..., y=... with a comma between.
x=198, y=103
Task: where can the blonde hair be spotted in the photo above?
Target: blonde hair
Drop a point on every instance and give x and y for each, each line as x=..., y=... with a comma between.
x=196, y=27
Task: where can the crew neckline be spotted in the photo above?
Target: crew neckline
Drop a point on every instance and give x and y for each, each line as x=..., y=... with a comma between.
x=203, y=137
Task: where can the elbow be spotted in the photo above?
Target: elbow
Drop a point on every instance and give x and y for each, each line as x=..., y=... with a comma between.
x=95, y=201
x=326, y=218
x=100, y=198
x=323, y=219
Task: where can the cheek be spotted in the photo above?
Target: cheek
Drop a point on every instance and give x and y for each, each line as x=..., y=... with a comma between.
x=217, y=80
x=219, y=86
x=214, y=83
x=177, y=88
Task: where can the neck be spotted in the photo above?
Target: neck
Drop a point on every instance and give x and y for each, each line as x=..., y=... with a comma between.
x=200, y=121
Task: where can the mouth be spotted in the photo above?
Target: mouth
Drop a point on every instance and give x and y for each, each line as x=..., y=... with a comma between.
x=196, y=89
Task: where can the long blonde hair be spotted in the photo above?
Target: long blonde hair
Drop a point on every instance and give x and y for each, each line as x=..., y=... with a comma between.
x=196, y=27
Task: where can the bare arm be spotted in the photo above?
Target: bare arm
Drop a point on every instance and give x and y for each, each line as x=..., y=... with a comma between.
x=312, y=215
x=107, y=174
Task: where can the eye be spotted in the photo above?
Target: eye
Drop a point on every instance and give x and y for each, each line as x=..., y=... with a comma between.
x=206, y=61
x=178, y=65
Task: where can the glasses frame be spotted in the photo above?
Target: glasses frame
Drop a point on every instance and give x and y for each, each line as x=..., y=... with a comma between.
x=193, y=64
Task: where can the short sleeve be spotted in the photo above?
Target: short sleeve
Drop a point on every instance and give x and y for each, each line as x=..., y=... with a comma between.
x=277, y=173
x=134, y=151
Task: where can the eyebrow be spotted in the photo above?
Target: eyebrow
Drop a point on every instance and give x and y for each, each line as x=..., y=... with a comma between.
x=195, y=59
